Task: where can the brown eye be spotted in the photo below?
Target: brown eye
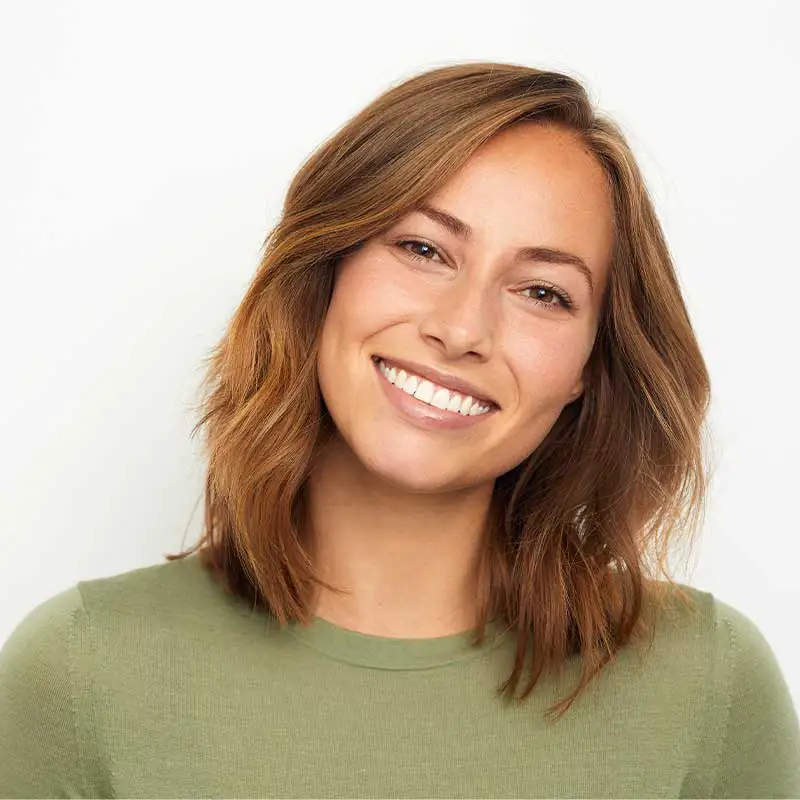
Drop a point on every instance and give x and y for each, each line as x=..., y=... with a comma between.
x=545, y=290
x=424, y=246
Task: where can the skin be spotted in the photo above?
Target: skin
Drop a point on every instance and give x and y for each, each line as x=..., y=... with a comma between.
x=397, y=510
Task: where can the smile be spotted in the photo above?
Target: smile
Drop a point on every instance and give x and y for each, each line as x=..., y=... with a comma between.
x=431, y=393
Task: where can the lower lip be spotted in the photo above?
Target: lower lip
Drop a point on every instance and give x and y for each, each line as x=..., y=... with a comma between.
x=423, y=415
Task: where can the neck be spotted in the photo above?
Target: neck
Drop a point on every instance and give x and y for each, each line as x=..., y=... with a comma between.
x=408, y=562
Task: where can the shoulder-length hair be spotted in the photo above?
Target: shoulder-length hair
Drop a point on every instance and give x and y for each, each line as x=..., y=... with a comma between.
x=580, y=530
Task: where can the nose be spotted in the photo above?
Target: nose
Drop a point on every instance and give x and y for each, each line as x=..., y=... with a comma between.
x=460, y=318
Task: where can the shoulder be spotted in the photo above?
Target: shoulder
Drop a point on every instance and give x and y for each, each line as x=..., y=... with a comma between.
x=748, y=741
x=77, y=640
x=176, y=589
x=735, y=650
x=719, y=640
x=749, y=660
x=168, y=594
x=46, y=632
x=41, y=639
x=39, y=752
x=710, y=627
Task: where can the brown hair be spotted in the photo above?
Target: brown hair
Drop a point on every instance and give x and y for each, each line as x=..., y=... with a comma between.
x=618, y=478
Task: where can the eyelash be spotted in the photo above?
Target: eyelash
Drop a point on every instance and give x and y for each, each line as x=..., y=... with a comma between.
x=564, y=298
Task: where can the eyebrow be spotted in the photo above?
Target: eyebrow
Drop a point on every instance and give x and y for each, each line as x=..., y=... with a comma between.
x=551, y=255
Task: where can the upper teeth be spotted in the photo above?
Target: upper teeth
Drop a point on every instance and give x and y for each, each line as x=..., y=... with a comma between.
x=432, y=393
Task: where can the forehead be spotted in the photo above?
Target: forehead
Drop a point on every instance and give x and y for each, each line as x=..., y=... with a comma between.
x=535, y=158
x=534, y=184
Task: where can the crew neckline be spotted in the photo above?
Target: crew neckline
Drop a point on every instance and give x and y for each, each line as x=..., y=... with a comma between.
x=384, y=652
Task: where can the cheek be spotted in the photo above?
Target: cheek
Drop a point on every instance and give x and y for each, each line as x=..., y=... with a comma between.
x=546, y=371
x=363, y=303
x=370, y=295
x=351, y=303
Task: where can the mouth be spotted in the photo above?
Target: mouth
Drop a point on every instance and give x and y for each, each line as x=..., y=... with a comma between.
x=433, y=388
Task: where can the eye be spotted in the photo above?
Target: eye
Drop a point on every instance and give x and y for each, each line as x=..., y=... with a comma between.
x=562, y=297
x=428, y=248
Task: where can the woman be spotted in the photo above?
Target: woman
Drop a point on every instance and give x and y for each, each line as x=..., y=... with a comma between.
x=454, y=430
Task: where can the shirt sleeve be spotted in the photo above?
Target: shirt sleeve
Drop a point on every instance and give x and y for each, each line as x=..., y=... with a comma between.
x=759, y=751
x=39, y=752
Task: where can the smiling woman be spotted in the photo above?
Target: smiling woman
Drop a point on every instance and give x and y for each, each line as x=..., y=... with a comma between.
x=455, y=430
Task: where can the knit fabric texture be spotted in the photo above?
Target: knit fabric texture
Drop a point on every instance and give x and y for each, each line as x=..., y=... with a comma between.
x=157, y=683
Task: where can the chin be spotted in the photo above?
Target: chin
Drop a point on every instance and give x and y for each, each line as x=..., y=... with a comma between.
x=407, y=474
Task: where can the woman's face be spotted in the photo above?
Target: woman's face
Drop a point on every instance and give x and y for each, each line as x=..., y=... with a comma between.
x=474, y=307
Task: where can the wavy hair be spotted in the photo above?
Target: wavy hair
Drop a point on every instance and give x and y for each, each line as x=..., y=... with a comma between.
x=580, y=531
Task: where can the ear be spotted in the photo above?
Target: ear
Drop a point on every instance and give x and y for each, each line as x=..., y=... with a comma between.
x=577, y=391
x=584, y=379
x=578, y=388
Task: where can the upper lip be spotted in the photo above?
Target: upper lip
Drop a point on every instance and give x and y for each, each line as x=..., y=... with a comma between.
x=442, y=378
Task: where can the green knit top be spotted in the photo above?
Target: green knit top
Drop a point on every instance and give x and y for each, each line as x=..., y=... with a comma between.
x=157, y=683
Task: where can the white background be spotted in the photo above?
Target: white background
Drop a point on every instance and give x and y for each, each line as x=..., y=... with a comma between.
x=145, y=149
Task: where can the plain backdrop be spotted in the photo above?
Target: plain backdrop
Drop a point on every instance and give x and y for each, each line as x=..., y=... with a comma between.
x=145, y=149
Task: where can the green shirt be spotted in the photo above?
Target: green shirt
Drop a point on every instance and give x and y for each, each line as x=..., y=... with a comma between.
x=157, y=683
